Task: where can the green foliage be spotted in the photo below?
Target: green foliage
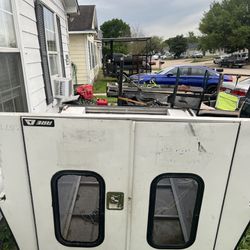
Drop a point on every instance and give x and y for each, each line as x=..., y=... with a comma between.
x=157, y=44
x=192, y=38
x=245, y=242
x=101, y=83
x=226, y=26
x=177, y=45
x=7, y=241
x=116, y=28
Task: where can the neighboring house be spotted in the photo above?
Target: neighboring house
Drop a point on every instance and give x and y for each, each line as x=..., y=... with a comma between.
x=85, y=44
x=33, y=52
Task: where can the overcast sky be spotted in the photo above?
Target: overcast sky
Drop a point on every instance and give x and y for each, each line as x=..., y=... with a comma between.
x=166, y=18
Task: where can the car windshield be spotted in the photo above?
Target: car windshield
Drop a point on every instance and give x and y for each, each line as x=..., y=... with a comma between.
x=164, y=71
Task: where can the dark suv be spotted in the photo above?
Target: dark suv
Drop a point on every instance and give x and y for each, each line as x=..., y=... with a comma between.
x=232, y=61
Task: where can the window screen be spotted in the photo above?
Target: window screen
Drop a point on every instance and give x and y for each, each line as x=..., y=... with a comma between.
x=50, y=32
x=175, y=201
x=78, y=203
x=7, y=30
x=12, y=92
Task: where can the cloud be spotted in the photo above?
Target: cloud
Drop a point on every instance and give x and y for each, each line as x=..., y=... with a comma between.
x=159, y=17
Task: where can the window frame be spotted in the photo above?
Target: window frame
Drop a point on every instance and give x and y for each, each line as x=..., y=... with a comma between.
x=57, y=52
x=13, y=14
x=196, y=213
x=16, y=51
x=56, y=214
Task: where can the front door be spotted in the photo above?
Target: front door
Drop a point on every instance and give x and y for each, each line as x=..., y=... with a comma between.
x=127, y=184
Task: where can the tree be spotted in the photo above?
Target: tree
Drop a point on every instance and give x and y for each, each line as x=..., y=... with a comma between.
x=177, y=45
x=226, y=26
x=157, y=44
x=137, y=47
x=116, y=28
x=191, y=38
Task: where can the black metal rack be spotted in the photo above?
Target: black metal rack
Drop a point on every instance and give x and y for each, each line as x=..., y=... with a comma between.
x=133, y=64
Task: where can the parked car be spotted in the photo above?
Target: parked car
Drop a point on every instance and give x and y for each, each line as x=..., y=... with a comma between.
x=232, y=61
x=244, y=56
x=197, y=55
x=189, y=75
x=239, y=89
x=218, y=59
x=156, y=57
x=167, y=56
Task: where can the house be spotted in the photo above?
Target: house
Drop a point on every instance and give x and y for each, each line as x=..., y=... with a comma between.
x=34, y=51
x=85, y=45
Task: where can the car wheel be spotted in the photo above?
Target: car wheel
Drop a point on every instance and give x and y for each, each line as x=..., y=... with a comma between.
x=212, y=89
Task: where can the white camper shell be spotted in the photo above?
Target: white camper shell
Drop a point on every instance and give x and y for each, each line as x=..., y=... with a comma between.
x=124, y=182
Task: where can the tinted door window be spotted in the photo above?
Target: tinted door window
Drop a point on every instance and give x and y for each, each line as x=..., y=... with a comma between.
x=175, y=201
x=78, y=203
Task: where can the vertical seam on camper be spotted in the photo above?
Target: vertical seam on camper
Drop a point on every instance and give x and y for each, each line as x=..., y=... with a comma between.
x=28, y=173
x=228, y=179
x=130, y=184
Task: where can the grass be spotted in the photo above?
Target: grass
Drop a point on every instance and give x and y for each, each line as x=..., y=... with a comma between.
x=7, y=241
x=245, y=242
x=100, y=87
x=111, y=100
x=101, y=83
x=203, y=59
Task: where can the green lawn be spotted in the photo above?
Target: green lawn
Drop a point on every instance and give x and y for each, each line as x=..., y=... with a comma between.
x=245, y=242
x=100, y=87
x=111, y=100
x=101, y=83
x=203, y=59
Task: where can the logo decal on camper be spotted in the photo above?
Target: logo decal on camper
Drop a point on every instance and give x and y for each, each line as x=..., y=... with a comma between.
x=38, y=122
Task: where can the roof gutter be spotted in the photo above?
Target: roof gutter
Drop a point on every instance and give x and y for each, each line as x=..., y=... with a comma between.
x=71, y=6
x=83, y=32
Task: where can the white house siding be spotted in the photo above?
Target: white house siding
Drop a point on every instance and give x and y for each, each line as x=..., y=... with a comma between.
x=31, y=53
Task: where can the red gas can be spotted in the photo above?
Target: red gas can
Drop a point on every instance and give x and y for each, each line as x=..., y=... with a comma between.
x=102, y=102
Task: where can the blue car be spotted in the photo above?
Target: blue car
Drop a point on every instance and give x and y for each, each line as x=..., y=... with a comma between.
x=189, y=75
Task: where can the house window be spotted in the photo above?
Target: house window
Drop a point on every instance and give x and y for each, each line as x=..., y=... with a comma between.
x=12, y=90
x=175, y=202
x=51, y=39
x=78, y=205
x=92, y=55
x=7, y=31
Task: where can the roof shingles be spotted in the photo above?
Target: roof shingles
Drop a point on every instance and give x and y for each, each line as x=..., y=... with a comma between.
x=83, y=21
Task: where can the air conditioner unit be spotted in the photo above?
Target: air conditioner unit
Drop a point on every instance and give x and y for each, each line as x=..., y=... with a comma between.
x=63, y=87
